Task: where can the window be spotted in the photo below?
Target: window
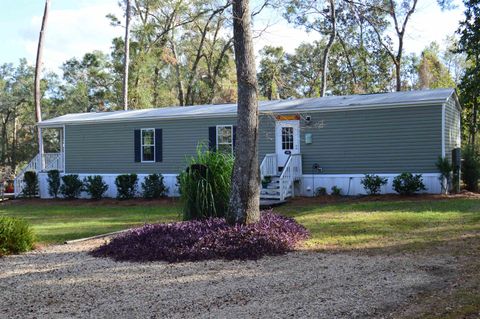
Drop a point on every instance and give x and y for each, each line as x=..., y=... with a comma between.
x=287, y=138
x=225, y=139
x=148, y=145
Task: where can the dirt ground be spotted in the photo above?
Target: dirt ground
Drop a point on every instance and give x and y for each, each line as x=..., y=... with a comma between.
x=327, y=199
x=65, y=281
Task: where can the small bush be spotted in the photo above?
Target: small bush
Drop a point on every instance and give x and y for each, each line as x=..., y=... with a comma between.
x=71, y=186
x=471, y=169
x=320, y=191
x=445, y=168
x=336, y=191
x=126, y=186
x=408, y=184
x=205, y=185
x=153, y=186
x=53, y=182
x=16, y=236
x=372, y=183
x=95, y=186
x=30, y=184
x=206, y=239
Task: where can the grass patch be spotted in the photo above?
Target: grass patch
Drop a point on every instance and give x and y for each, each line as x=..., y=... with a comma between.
x=346, y=225
x=57, y=222
x=411, y=224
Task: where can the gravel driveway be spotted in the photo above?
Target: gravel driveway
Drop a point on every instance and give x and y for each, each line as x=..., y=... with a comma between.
x=63, y=281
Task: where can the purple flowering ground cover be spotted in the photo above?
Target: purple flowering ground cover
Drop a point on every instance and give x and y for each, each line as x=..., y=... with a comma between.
x=208, y=239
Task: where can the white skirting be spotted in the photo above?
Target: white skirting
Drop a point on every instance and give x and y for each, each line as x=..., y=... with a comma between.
x=170, y=181
x=350, y=184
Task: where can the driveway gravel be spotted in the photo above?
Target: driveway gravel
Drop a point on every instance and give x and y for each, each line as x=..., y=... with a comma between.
x=63, y=281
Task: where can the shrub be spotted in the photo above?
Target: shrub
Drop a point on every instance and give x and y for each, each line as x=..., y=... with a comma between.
x=95, y=186
x=205, y=185
x=153, y=186
x=445, y=178
x=53, y=182
x=126, y=186
x=336, y=191
x=71, y=186
x=320, y=191
x=408, y=184
x=16, y=236
x=471, y=168
x=212, y=238
x=372, y=183
x=30, y=184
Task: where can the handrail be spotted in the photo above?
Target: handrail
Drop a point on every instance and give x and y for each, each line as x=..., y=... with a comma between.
x=269, y=167
x=291, y=171
x=49, y=161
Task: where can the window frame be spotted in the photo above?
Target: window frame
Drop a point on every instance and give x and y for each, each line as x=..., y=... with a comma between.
x=290, y=142
x=143, y=145
x=216, y=137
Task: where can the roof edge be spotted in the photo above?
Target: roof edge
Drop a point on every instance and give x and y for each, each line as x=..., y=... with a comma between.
x=432, y=102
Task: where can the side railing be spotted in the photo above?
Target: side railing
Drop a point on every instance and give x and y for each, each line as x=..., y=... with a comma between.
x=34, y=165
x=47, y=162
x=269, y=166
x=291, y=172
x=52, y=161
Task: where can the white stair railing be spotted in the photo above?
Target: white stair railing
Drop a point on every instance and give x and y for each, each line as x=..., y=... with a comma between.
x=49, y=161
x=34, y=165
x=269, y=166
x=53, y=161
x=291, y=171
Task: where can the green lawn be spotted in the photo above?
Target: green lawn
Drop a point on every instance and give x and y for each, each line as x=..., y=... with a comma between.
x=381, y=224
x=60, y=221
x=345, y=225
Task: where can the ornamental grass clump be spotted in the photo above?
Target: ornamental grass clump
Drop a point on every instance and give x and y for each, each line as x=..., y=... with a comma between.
x=16, y=236
x=211, y=238
x=205, y=185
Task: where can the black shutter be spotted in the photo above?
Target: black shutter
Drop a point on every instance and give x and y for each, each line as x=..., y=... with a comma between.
x=158, y=145
x=136, y=142
x=212, y=138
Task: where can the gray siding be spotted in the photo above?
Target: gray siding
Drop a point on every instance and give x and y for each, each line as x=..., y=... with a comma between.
x=344, y=142
x=374, y=141
x=452, y=127
x=109, y=147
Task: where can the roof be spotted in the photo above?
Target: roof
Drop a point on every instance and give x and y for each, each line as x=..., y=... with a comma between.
x=347, y=102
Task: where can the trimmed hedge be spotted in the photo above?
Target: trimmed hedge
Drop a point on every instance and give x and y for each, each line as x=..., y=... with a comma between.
x=30, y=184
x=71, y=186
x=126, y=186
x=95, y=186
x=153, y=186
x=211, y=238
x=408, y=184
x=16, y=236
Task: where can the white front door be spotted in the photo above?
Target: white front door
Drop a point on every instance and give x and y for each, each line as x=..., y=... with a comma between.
x=287, y=140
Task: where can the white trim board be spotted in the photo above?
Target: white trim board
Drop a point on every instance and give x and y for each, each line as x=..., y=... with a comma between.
x=443, y=129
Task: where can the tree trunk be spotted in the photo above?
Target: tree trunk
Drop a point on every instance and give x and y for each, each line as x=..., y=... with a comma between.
x=181, y=91
x=38, y=67
x=474, y=126
x=126, y=61
x=245, y=195
x=326, y=51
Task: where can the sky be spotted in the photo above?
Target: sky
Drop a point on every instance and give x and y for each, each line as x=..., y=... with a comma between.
x=79, y=26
